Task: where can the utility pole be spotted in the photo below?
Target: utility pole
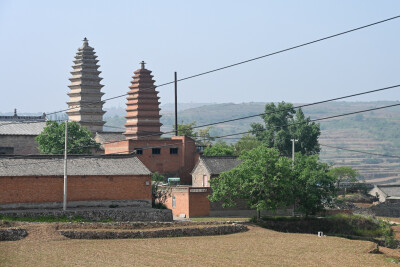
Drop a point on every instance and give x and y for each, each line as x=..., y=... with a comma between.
x=65, y=166
x=293, y=140
x=176, y=105
x=294, y=201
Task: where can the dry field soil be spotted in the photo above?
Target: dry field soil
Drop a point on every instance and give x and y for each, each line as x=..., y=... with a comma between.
x=257, y=247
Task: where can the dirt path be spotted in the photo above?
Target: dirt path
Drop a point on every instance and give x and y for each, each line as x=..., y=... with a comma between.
x=41, y=232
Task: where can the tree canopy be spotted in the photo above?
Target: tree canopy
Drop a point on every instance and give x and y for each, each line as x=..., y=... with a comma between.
x=51, y=139
x=313, y=186
x=219, y=149
x=344, y=174
x=268, y=181
x=202, y=137
x=283, y=123
x=263, y=178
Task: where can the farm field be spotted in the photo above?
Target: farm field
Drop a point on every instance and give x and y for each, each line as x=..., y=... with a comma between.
x=257, y=247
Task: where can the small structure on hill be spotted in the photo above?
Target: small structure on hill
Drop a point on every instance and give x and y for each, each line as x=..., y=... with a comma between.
x=18, y=133
x=36, y=181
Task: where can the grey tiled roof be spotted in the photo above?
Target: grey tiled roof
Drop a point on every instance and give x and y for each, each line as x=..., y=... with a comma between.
x=216, y=165
x=53, y=165
x=21, y=128
x=104, y=137
x=390, y=190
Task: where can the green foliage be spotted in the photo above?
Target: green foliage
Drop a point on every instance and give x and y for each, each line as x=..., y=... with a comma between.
x=43, y=219
x=344, y=174
x=158, y=177
x=283, y=123
x=263, y=178
x=220, y=149
x=268, y=181
x=313, y=187
x=202, y=137
x=51, y=139
x=246, y=143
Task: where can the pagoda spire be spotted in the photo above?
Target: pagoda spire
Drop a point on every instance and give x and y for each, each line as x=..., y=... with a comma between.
x=143, y=111
x=85, y=105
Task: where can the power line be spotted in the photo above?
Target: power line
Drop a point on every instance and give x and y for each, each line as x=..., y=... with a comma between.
x=238, y=63
x=362, y=152
x=250, y=131
x=276, y=111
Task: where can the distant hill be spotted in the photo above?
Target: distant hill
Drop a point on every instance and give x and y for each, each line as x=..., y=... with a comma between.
x=376, y=132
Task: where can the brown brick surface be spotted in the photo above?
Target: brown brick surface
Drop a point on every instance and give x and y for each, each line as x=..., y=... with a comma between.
x=50, y=189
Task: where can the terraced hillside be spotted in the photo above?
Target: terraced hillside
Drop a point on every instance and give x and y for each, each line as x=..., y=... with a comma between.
x=372, y=132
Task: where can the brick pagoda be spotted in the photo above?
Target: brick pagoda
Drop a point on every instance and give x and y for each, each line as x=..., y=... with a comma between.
x=143, y=112
x=85, y=105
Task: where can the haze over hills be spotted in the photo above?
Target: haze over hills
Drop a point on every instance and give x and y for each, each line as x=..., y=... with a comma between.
x=372, y=132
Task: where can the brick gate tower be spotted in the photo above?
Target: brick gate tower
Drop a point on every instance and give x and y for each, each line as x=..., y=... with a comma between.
x=85, y=105
x=143, y=111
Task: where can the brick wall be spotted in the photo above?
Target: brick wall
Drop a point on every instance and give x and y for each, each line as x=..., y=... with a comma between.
x=180, y=164
x=22, y=144
x=181, y=201
x=191, y=201
x=199, y=205
x=90, y=188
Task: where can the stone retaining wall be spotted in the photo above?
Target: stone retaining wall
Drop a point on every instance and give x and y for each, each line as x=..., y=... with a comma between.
x=386, y=209
x=12, y=234
x=174, y=232
x=117, y=214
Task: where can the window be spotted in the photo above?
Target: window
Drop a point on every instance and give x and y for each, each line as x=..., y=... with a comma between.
x=156, y=151
x=139, y=151
x=173, y=151
x=173, y=202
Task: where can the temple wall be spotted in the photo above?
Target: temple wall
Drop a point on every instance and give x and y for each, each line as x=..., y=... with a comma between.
x=22, y=144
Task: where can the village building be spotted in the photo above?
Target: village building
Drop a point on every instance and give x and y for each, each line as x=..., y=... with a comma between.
x=18, y=133
x=175, y=156
x=386, y=193
x=93, y=181
x=211, y=167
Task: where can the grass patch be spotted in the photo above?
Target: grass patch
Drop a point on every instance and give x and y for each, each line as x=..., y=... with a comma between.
x=344, y=225
x=217, y=219
x=43, y=219
x=392, y=260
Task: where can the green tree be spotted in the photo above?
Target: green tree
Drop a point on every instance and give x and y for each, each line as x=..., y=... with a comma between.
x=202, y=137
x=246, y=143
x=187, y=130
x=344, y=174
x=313, y=186
x=283, y=123
x=219, y=149
x=263, y=178
x=51, y=139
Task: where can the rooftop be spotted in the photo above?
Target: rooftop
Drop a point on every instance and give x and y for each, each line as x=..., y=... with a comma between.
x=22, y=128
x=53, y=165
x=390, y=190
x=217, y=164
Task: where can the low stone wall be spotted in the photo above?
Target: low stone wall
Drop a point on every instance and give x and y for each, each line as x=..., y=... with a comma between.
x=386, y=209
x=117, y=214
x=136, y=225
x=174, y=232
x=79, y=204
x=12, y=234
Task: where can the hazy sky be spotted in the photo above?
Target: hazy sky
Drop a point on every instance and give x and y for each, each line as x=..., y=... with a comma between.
x=39, y=39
